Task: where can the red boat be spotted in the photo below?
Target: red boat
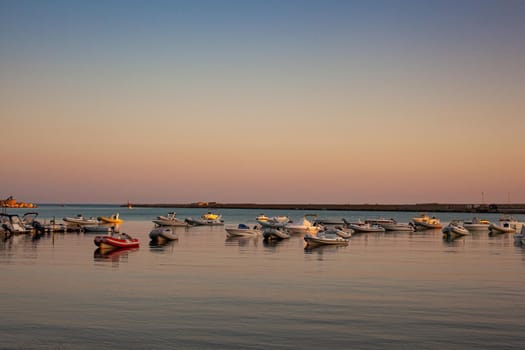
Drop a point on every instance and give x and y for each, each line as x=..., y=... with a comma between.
x=122, y=240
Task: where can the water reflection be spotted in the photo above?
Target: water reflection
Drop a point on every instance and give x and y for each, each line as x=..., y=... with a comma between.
x=320, y=250
x=23, y=245
x=162, y=247
x=453, y=239
x=496, y=233
x=241, y=241
x=272, y=244
x=115, y=256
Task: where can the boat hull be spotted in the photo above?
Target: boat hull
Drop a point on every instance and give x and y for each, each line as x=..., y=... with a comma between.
x=108, y=242
x=455, y=230
x=430, y=226
x=80, y=222
x=325, y=240
x=163, y=234
x=366, y=228
x=109, y=220
x=397, y=227
x=201, y=222
x=501, y=229
x=275, y=234
x=167, y=222
x=241, y=232
x=98, y=229
x=477, y=227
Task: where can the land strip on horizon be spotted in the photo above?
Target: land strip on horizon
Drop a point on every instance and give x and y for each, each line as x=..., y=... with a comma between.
x=418, y=207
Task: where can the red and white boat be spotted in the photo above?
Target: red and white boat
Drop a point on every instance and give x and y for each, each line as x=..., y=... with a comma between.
x=122, y=240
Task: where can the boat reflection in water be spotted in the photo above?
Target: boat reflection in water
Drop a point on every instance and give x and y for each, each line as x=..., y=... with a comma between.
x=115, y=256
x=241, y=241
x=322, y=249
x=453, y=239
x=162, y=246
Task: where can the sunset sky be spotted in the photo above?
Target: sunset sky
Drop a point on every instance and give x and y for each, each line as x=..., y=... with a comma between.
x=262, y=101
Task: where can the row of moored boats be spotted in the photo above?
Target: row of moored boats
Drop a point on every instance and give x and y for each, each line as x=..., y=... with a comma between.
x=315, y=231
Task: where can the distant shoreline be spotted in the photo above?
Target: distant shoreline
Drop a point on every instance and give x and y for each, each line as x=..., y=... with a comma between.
x=418, y=207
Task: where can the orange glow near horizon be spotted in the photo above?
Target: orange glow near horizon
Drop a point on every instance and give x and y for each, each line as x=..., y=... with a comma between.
x=343, y=111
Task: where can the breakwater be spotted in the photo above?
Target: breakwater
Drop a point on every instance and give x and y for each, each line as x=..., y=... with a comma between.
x=417, y=207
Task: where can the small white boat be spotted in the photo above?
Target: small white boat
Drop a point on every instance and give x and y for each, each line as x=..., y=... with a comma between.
x=272, y=233
x=98, y=229
x=337, y=230
x=504, y=227
x=162, y=234
x=398, y=226
x=507, y=226
x=477, y=224
x=243, y=230
x=80, y=220
x=425, y=222
x=325, y=238
x=209, y=219
x=306, y=227
x=361, y=227
x=170, y=220
x=455, y=227
x=379, y=221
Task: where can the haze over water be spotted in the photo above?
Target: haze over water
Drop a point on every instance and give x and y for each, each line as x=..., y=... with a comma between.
x=395, y=290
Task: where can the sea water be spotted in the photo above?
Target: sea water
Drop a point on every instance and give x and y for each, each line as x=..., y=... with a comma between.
x=204, y=291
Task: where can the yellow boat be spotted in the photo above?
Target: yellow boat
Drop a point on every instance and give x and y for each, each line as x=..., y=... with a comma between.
x=210, y=216
x=113, y=219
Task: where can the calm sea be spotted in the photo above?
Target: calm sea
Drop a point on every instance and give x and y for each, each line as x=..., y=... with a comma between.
x=395, y=291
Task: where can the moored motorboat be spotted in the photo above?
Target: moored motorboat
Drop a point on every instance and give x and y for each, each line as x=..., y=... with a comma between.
x=379, y=221
x=80, y=220
x=305, y=227
x=161, y=234
x=398, y=226
x=209, y=219
x=325, y=238
x=13, y=224
x=338, y=230
x=116, y=241
x=243, y=230
x=455, y=227
x=170, y=220
x=361, y=227
x=425, y=222
x=272, y=233
x=98, y=229
x=113, y=219
x=506, y=225
x=477, y=224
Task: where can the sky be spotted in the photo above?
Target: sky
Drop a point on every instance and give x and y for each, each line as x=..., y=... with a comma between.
x=262, y=101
